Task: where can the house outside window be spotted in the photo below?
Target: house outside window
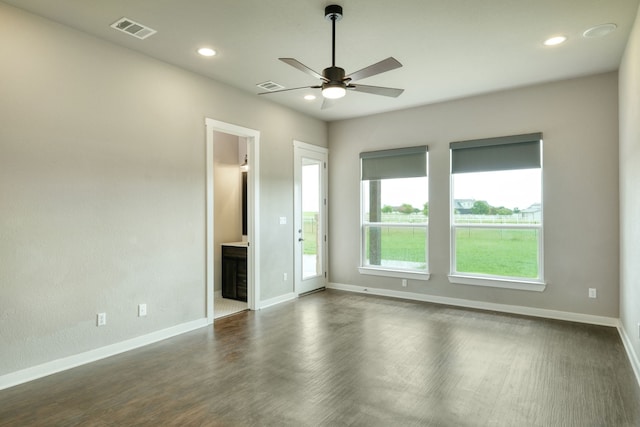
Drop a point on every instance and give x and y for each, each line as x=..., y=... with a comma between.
x=496, y=212
x=395, y=213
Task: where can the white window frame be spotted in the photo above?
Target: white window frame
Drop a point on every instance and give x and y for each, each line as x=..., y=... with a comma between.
x=476, y=279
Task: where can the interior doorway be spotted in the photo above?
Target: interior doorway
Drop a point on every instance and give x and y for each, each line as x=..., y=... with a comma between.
x=230, y=239
x=227, y=146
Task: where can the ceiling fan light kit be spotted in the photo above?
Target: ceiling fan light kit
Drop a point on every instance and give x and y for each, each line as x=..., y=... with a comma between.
x=333, y=81
x=333, y=92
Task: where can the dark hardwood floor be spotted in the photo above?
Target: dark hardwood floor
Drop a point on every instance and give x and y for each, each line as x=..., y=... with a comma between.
x=341, y=359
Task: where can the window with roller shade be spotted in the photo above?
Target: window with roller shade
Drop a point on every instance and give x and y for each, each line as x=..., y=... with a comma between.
x=496, y=211
x=395, y=212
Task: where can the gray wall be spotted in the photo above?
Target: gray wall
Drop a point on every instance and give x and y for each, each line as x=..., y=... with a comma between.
x=579, y=121
x=102, y=189
x=630, y=190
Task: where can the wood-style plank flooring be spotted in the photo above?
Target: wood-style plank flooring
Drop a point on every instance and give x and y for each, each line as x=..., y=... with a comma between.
x=340, y=359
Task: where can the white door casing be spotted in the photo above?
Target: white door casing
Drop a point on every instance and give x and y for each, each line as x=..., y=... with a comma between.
x=253, y=207
x=310, y=217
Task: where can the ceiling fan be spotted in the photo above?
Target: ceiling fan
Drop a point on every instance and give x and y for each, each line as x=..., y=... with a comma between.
x=334, y=83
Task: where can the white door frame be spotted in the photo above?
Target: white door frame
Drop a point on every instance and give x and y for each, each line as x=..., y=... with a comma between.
x=297, y=145
x=253, y=207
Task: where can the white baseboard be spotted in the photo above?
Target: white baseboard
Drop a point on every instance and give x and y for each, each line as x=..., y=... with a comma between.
x=277, y=300
x=49, y=368
x=633, y=356
x=504, y=308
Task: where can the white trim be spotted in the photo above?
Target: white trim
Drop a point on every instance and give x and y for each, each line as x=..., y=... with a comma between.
x=209, y=212
x=631, y=353
x=499, y=225
x=311, y=147
x=494, y=282
x=390, y=272
x=65, y=363
x=504, y=308
x=253, y=219
x=278, y=300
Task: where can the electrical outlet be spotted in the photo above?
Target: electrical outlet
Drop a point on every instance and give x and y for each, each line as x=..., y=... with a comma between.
x=593, y=293
x=142, y=310
x=284, y=276
x=101, y=319
x=283, y=220
x=404, y=283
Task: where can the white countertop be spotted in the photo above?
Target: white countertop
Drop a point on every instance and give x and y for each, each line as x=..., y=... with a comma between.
x=237, y=244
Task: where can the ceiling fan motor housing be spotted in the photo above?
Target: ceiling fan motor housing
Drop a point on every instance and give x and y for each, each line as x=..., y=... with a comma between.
x=333, y=74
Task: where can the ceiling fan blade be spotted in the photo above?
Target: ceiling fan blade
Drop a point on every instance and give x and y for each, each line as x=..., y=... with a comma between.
x=327, y=103
x=287, y=90
x=377, y=90
x=300, y=66
x=379, y=67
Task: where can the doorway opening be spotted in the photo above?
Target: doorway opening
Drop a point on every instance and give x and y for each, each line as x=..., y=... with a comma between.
x=232, y=220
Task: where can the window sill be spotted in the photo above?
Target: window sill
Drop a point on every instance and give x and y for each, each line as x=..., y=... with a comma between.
x=521, y=285
x=401, y=274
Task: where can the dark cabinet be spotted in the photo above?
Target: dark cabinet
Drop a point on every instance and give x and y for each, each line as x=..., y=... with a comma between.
x=234, y=272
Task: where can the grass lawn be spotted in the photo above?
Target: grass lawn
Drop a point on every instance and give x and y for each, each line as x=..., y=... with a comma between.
x=310, y=233
x=500, y=252
x=509, y=253
x=402, y=244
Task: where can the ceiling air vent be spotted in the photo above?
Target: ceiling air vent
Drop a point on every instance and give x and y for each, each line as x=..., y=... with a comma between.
x=133, y=28
x=270, y=86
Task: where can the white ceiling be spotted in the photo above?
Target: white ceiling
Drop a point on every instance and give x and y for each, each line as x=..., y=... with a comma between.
x=449, y=48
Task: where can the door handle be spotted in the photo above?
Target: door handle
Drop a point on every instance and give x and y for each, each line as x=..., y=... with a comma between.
x=300, y=239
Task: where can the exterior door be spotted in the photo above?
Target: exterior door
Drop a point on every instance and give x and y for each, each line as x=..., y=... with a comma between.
x=310, y=217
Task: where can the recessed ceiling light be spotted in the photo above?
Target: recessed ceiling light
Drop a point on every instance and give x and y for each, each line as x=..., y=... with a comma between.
x=600, y=30
x=206, y=51
x=553, y=41
x=309, y=97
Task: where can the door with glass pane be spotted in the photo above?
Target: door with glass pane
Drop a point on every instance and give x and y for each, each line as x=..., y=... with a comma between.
x=310, y=217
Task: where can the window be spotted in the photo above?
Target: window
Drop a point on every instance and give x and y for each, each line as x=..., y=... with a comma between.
x=496, y=212
x=395, y=213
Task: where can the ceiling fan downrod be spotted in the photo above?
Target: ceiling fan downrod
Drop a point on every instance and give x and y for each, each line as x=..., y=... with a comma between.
x=333, y=13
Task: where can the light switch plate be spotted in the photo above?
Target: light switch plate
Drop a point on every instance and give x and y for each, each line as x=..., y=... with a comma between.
x=283, y=220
